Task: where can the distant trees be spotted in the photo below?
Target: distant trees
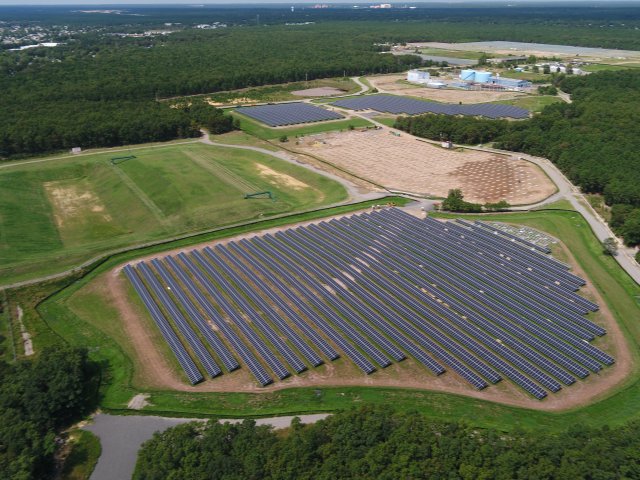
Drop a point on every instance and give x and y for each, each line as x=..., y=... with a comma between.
x=501, y=206
x=88, y=99
x=455, y=203
x=206, y=116
x=547, y=90
x=380, y=443
x=465, y=130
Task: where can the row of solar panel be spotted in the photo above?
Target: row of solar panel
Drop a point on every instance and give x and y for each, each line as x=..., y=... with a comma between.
x=410, y=106
x=604, y=357
x=288, y=114
x=432, y=310
x=409, y=293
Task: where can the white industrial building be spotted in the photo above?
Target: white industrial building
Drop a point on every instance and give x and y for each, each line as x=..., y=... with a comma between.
x=418, y=76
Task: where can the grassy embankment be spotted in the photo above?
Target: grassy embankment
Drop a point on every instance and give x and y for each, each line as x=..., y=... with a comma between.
x=83, y=457
x=264, y=132
x=618, y=406
x=57, y=214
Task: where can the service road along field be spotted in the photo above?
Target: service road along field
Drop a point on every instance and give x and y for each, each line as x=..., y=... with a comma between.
x=406, y=164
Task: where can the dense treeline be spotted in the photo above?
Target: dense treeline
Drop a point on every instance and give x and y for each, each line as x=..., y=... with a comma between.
x=37, y=399
x=467, y=130
x=100, y=90
x=96, y=94
x=595, y=140
x=379, y=443
x=610, y=26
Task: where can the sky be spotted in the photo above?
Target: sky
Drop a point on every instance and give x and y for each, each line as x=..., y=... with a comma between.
x=227, y=2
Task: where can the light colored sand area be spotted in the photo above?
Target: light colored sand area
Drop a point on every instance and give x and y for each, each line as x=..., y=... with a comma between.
x=406, y=164
x=389, y=84
x=155, y=371
x=71, y=200
x=281, y=179
x=318, y=92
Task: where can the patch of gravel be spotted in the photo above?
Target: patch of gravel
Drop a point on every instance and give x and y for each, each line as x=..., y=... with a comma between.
x=525, y=233
x=139, y=401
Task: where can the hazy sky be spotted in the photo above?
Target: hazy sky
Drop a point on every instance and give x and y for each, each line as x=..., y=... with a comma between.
x=228, y=2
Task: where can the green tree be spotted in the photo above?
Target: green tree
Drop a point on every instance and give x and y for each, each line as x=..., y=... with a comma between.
x=631, y=229
x=610, y=246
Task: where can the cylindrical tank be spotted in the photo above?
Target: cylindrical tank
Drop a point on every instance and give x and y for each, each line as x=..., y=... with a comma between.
x=483, y=77
x=468, y=75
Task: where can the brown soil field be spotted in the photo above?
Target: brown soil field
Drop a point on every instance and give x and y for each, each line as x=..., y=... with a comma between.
x=403, y=163
x=389, y=84
x=153, y=370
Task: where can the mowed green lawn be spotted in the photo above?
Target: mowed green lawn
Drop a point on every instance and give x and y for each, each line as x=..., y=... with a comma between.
x=59, y=213
x=533, y=103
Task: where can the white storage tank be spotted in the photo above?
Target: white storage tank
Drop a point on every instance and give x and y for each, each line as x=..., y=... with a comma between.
x=483, y=77
x=418, y=76
x=468, y=75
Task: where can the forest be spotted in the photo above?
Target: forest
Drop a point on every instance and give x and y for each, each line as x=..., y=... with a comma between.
x=39, y=398
x=595, y=140
x=380, y=443
x=101, y=89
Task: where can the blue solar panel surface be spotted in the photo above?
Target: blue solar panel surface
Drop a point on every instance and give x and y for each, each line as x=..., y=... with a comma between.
x=288, y=114
x=378, y=288
x=410, y=106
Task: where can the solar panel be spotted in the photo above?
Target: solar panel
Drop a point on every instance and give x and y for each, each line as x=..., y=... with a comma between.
x=409, y=106
x=381, y=287
x=288, y=114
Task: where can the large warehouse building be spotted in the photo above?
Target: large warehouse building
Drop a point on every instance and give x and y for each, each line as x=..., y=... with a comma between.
x=487, y=79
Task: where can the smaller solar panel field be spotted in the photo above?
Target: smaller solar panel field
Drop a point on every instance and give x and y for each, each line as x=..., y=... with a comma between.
x=376, y=289
x=409, y=106
x=288, y=114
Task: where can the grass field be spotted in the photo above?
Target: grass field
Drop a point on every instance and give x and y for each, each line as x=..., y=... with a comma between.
x=533, y=103
x=531, y=76
x=80, y=316
x=59, y=213
x=272, y=93
x=602, y=67
x=85, y=451
x=263, y=132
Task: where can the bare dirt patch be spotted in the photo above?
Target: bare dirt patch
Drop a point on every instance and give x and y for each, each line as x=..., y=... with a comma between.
x=278, y=178
x=406, y=164
x=318, y=92
x=392, y=84
x=152, y=369
x=71, y=200
x=138, y=402
x=233, y=101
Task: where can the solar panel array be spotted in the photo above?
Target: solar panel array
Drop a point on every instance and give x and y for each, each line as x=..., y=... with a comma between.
x=410, y=106
x=288, y=114
x=376, y=288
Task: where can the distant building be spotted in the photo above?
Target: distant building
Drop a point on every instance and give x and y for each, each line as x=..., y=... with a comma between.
x=510, y=83
x=418, y=76
x=486, y=80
